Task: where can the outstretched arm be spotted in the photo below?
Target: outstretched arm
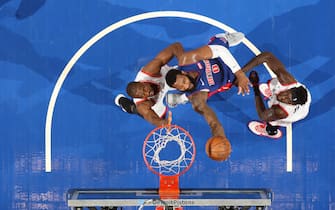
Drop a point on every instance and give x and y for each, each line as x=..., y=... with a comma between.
x=193, y=56
x=162, y=58
x=271, y=114
x=199, y=103
x=144, y=109
x=209, y=52
x=274, y=64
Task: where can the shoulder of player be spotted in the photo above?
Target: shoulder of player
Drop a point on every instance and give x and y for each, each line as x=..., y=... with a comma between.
x=143, y=104
x=147, y=72
x=153, y=68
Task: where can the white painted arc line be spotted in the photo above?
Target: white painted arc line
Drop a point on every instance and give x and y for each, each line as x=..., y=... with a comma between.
x=100, y=35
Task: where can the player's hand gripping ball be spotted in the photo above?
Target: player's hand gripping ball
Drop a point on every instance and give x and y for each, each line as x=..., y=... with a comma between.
x=218, y=148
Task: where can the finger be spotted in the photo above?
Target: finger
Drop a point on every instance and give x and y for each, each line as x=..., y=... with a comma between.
x=169, y=117
x=169, y=120
x=248, y=92
x=240, y=91
x=247, y=89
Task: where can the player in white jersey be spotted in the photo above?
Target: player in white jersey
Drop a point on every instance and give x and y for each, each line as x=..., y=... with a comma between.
x=159, y=89
x=149, y=88
x=294, y=112
x=288, y=100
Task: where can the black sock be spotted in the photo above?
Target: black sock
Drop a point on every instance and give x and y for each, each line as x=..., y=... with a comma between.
x=271, y=130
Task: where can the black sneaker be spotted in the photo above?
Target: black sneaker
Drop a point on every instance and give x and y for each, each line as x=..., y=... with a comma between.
x=125, y=103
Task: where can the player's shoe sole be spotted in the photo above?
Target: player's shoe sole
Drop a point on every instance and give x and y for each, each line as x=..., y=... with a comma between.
x=259, y=129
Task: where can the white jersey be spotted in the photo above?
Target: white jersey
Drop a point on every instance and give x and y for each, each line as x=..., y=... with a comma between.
x=294, y=112
x=159, y=107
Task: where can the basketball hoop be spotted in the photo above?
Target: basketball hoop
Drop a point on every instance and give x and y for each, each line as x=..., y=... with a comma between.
x=169, y=164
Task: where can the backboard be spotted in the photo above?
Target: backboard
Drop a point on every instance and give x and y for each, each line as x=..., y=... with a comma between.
x=143, y=198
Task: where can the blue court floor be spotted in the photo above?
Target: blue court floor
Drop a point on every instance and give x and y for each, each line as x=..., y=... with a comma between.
x=62, y=62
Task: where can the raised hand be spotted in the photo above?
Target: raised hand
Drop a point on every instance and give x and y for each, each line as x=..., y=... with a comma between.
x=242, y=83
x=254, y=79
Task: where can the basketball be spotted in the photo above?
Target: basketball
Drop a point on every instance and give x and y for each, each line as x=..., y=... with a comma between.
x=218, y=148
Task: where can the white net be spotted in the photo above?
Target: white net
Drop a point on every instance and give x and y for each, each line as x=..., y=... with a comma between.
x=161, y=139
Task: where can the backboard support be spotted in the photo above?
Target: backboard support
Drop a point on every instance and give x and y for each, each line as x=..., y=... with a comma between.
x=168, y=187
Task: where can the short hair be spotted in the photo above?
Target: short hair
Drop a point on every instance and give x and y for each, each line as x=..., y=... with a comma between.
x=171, y=76
x=131, y=89
x=299, y=95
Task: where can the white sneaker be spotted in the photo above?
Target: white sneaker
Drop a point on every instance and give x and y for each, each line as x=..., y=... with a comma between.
x=233, y=39
x=265, y=90
x=117, y=98
x=259, y=129
x=173, y=99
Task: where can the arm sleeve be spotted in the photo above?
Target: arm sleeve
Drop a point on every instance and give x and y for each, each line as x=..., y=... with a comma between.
x=223, y=53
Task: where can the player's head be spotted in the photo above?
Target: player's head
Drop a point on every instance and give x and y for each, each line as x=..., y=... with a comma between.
x=299, y=95
x=180, y=80
x=294, y=96
x=141, y=89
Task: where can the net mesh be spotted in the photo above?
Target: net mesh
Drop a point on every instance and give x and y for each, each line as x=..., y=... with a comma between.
x=158, y=140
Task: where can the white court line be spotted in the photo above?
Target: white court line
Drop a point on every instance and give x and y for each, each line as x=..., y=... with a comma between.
x=289, y=144
x=100, y=35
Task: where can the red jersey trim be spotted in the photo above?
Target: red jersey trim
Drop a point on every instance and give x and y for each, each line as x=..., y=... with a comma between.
x=221, y=89
x=164, y=114
x=151, y=75
x=269, y=81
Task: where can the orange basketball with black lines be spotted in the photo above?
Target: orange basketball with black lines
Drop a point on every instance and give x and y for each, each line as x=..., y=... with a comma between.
x=218, y=148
